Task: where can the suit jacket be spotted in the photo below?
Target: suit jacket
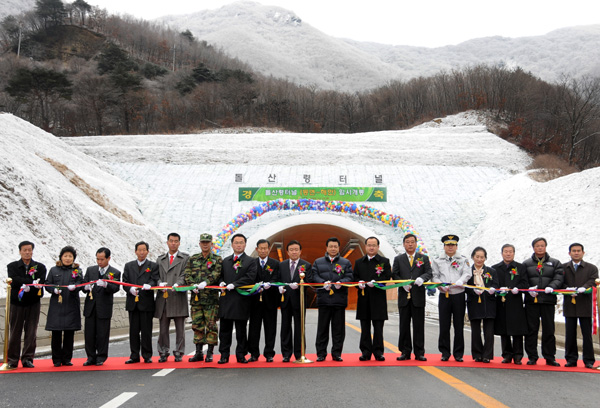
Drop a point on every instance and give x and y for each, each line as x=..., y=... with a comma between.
x=232, y=305
x=147, y=273
x=511, y=319
x=271, y=296
x=403, y=271
x=176, y=304
x=372, y=305
x=102, y=297
x=584, y=277
x=291, y=297
x=20, y=276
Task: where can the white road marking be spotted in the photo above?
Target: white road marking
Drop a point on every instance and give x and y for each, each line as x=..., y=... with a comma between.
x=120, y=400
x=163, y=372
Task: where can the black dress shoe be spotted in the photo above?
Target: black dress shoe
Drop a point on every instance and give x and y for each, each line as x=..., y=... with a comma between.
x=506, y=360
x=13, y=366
x=55, y=365
x=132, y=361
x=269, y=359
x=89, y=363
x=320, y=358
x=178, y=358
x=478, y=360
x=163, y=359
x=337, y=358
x=100, y=363
x=286, y=360
x=518, y=362
x=148, y=360
x=443, y=358
x=68, y=364
x=223, y=360
x=571, y=364
x=380, y=358
x=27, y=364
x=552, y=363
x=242, y=360
x=421, y=358
x=590, y=366
x=532, y=362
x=458, y=359
x=252, y=359
x=403, y=357
x=485, y=360
x=364, y=358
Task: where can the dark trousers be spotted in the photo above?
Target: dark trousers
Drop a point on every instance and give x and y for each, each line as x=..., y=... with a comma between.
x=140, y=334
x=62, y=346
x=482, y=348
x=289, y=313
x=535, y=312
x=336, y=318
x=262, y=314
x=571, y=351
x=22, y=318
x=97, y=336
x=417, y=315
x=452, y=312
x=367, y=345
x=164, y=338
x=226, y=337
x=512, y=347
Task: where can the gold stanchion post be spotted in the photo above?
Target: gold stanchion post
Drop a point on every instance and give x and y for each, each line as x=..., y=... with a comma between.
x=5, y=366
x=302, y=359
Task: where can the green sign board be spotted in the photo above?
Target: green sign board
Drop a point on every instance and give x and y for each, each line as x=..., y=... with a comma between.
x=357, y=194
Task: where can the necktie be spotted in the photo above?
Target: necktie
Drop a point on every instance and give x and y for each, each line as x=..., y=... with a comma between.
x=101, y=270
x=450, y=259
x=410, y=259
x=171, y=260
x=235, y=259
x=292, y=269
x=262, y=263
x=575, y=266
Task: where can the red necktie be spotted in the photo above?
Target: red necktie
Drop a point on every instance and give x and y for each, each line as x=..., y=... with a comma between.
x=235, y=259
x=171, y=260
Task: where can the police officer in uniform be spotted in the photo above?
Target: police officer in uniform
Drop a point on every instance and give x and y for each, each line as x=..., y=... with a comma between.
x=451, y=268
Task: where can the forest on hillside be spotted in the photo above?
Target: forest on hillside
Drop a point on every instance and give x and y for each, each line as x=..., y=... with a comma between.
x=73, y=69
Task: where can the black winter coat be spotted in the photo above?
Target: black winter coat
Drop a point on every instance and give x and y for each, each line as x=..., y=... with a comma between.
x=511, y=319
x=65, y=315
x=20, y=276
x=487, y=308
x=551, y=275
x=371, y=303
x=325, y=269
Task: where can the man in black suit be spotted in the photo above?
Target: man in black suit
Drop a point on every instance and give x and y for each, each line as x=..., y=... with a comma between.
x=412, y=265
x=289, y=272
x=234, y=309
x=263, y=309
x=371, y=304
x=25, y=310
x=98, y=307
x=140, y=303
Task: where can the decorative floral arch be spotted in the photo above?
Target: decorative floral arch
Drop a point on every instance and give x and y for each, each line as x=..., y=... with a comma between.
x=315, y=205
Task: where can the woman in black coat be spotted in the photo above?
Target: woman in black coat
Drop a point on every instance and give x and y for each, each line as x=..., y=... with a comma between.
x=481, y=306
x=64, y=316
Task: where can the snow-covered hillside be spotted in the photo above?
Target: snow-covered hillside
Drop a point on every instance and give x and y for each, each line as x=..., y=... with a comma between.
x=275, y=41
x=54, y=195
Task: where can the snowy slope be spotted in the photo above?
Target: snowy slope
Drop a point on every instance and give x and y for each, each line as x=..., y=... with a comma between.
x=54, y=195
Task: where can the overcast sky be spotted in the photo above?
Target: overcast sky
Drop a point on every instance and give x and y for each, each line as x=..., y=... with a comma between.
x=429, y=23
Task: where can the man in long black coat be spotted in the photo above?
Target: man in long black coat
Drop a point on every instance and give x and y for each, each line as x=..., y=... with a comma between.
x=239, y=269
x=371, y=304
x=412, y=265
x=511, y=320
x=98, y=307
x=140, y=303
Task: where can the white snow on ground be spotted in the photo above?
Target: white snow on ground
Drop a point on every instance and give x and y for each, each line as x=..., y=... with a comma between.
x=39, y=203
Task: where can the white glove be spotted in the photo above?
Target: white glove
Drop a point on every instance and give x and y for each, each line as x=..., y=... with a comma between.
x=266, y=285
x=231, y=286
x=503, y=289
x=580, y=290
x=174, y=286
x=146, y=286
x=371, y=284
x=361, y=284
x=101, y=283
x=419, y=281
x=71, y=287
x=337, y=285
x=327, y=285
x=534, y=294
x=491, y=291
x=222, y=284
x=459, y=283
x=478, y=291
x=162, y=284
x=202, y=285
x=294, y=285
x=57, y=291
x=281, y=290
x=133, y=291
x=36, y=284
x=26, y=288
x=195, y=290
x=515, y=291
x=548, y=290
x=443, y=289
x=407, y=288
x=87, y=287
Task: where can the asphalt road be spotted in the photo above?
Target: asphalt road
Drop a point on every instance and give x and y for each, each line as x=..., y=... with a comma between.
x=322, y=387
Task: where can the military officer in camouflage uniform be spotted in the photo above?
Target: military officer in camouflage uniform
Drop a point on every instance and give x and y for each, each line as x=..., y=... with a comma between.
x=204, y=269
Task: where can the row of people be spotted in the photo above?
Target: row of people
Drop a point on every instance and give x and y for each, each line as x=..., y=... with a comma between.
x=510, y=318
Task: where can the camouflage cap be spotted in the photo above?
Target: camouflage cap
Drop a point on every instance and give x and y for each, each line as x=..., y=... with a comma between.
x=205, y=237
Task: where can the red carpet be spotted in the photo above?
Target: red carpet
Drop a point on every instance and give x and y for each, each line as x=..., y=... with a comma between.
x=350, y=360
